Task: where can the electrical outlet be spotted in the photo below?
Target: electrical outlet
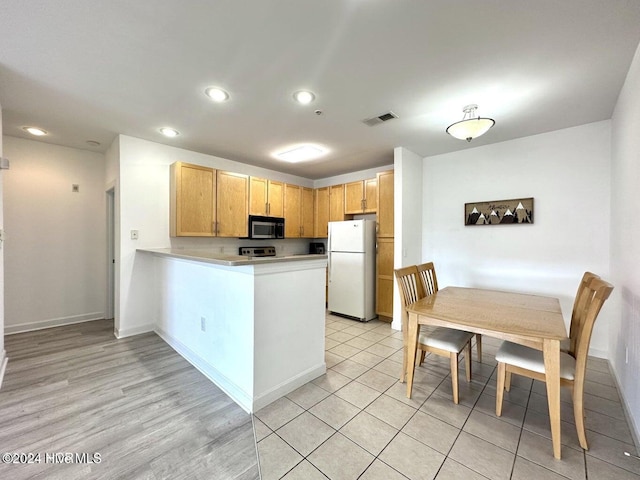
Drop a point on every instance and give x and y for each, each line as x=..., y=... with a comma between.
x=134, y=234
x=75, y=188
x=203, y=324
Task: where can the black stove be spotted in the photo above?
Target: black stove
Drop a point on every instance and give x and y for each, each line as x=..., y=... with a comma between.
x=258, y=251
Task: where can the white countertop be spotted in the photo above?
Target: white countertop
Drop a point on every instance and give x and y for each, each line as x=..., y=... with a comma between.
x=208, y=256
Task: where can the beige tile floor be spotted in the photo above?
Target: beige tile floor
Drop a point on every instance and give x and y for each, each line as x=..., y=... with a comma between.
x=355, y=421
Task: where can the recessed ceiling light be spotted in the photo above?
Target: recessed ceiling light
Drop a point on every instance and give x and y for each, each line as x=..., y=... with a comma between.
x=300, y=153
x=217, y=94
x=38, y=132
x=169, y=132
x=304, y=97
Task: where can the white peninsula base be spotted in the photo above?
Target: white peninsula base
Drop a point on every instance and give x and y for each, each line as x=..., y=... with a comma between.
x=255, y=329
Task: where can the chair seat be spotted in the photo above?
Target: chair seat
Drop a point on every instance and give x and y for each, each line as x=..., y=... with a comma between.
x=447, y=339
x=532, y=359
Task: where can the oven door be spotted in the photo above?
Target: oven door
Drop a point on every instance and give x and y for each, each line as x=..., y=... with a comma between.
x=261, y=229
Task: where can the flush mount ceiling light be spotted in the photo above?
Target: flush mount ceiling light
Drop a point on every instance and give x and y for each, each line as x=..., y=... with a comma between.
x=304, y=97
x=471, y=125
x=38, y=132
x=300, y=153
x=217, y=94
x=169, y=132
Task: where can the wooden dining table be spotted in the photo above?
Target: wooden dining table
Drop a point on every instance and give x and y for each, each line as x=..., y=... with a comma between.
x=530, y=320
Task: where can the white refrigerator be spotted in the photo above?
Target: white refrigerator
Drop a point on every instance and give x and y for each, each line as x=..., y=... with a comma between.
x=352, y=268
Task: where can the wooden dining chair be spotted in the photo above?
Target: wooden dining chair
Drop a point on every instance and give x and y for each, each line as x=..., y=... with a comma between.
x=582, y=296
x=529, y=362
x=446, y=342
x=427, y=272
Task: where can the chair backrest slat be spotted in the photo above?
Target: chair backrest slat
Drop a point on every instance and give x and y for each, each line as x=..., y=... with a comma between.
x=597, y=292
x=428, y=278
x=583, y=297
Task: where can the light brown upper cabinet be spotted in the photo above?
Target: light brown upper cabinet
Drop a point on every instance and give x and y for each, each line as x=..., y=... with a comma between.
x=232, y=204
x=321, y=213
x=193, y=201
x=336, y=203
x=266, y=197
x=306, y=213
x=298, y=211
x=385, y=202
x=361, y=196
x=292, y=203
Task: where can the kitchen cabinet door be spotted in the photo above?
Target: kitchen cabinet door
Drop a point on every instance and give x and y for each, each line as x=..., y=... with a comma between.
x=192, y=200
x=232, y=204
x=336, y=203
x=361, y=197
x=275, y=199
x=385, y=204
x=292, y=204
x=258, y=200
x=354, y=197
x=266, y=197
x=384, y=277
x=321, y=212
x=306, y=213
x=371, y=195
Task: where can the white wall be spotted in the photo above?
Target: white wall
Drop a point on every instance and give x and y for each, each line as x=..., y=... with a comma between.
x=625, y=242
x=144, y=206
x=55, y=239
x=568, y=174
x=351, y=177
x=407, y=207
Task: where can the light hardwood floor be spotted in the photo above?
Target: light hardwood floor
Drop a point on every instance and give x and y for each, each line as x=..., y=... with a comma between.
x=136, y=402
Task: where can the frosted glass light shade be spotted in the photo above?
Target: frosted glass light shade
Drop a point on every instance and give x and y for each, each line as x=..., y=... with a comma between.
x=470, y=128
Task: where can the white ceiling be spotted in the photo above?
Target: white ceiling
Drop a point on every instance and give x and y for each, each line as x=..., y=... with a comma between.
x=91, y=69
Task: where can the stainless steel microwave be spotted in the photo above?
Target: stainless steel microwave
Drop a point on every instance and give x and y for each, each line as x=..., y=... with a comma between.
x=266, y=227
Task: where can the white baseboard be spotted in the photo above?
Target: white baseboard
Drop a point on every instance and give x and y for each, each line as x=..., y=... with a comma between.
x=634, y=427
x=3, y=365
x=238, y=395
x=289, y=386
x=52, y=322
x=595, y=352
x=130, y=332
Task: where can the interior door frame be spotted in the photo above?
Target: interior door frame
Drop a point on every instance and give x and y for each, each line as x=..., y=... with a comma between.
x=111, y=254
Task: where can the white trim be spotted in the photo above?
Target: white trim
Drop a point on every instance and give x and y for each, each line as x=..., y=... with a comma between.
x=3, y=365
x=288, y=386
x=130, y=332
x=236, y=393
x=634, y=427
x=52, y=322
x=596, y=352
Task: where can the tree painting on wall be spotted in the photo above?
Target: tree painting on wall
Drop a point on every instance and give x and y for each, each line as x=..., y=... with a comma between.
x=501, y=212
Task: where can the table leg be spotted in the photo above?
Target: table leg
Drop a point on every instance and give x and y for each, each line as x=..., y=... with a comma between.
x=412, y=347
x=551, y=351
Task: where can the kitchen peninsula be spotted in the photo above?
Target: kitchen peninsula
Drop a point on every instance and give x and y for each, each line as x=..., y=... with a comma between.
x=254, y=326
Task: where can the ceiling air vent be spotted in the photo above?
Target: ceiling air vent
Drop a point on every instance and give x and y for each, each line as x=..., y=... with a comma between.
x=385, y=117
